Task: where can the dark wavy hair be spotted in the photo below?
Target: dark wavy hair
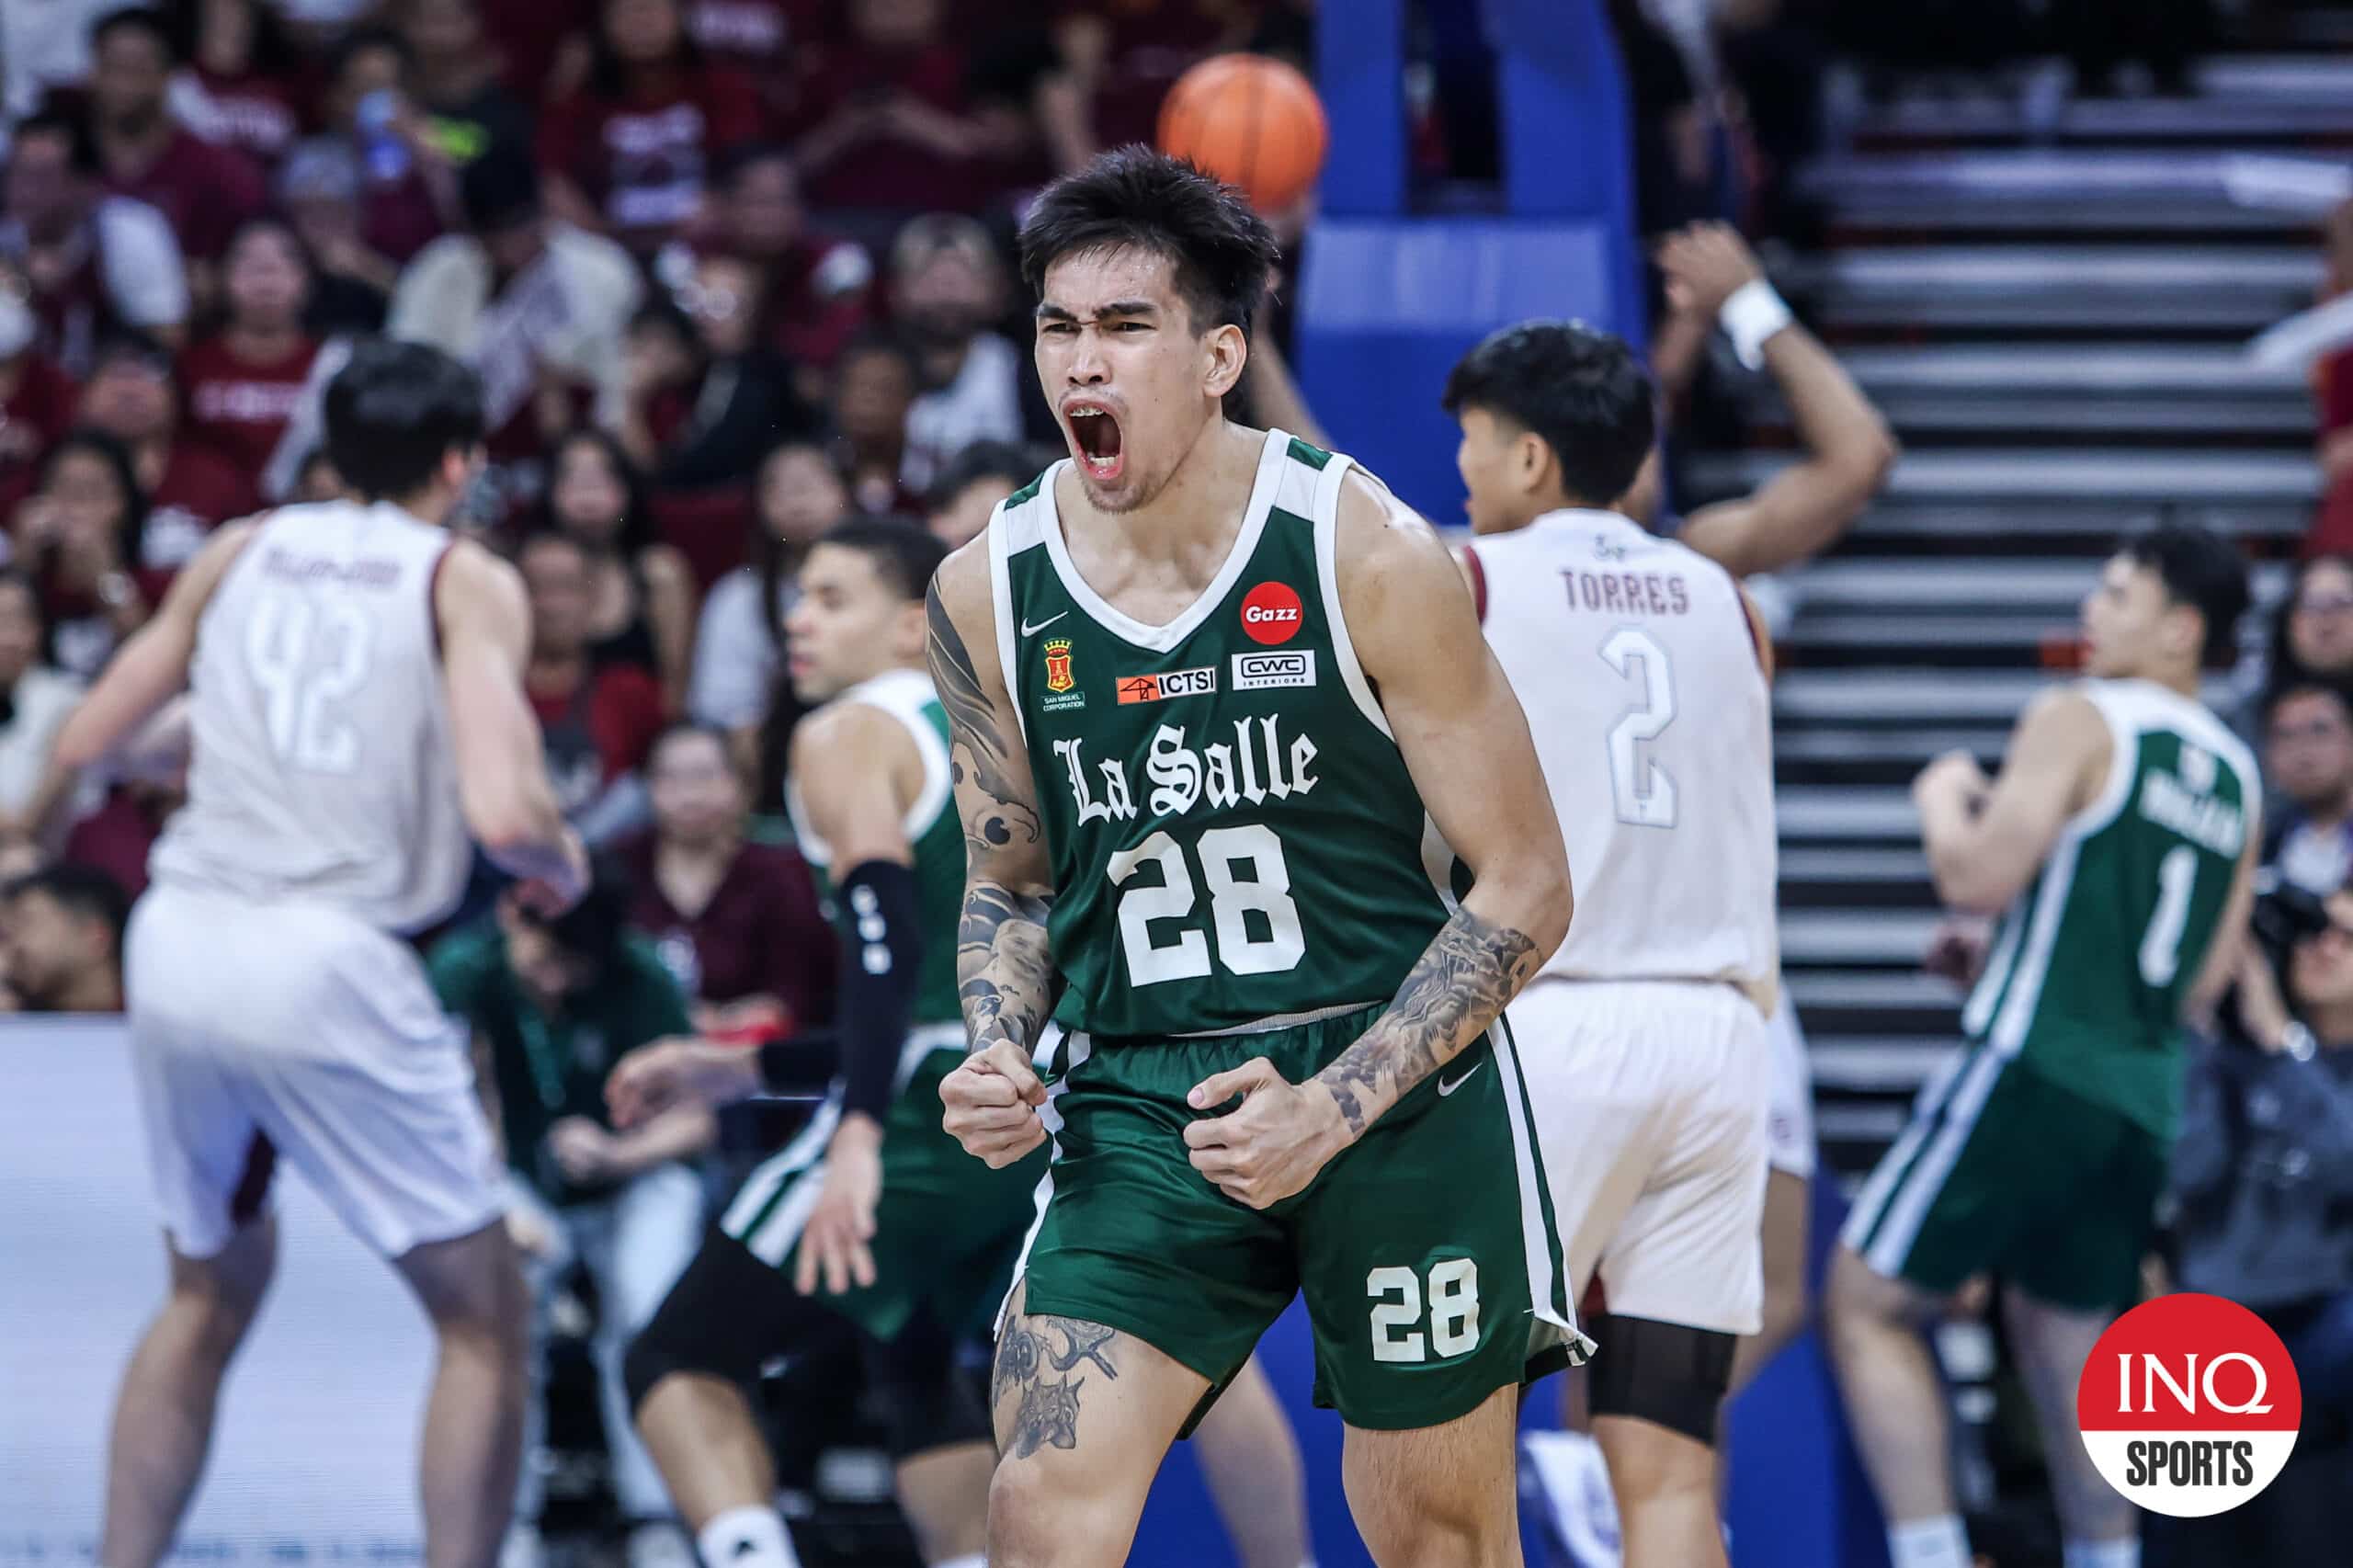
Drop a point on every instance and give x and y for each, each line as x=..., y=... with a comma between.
x=117, y=457
x=638, y=532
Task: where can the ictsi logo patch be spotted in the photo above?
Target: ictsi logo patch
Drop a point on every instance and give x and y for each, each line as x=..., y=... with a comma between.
x=1270, y=613
x=2190, y=1405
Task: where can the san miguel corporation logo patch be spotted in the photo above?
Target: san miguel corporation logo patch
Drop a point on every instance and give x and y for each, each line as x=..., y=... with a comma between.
x=2190, y=1405
x=1060, y=681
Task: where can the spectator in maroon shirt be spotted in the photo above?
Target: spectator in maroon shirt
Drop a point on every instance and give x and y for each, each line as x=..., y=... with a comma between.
x=205, y=191
x=244, y=383
x=874, y=386
x=815, y=287
x=76, y=535
x=627, y=154
x=237, y=88
x=738, y=922
x=707, y=397
x=90, y=263
x=1127, y=57
x=891, y=123
x=778, y=43
x=408, y=192
x=190, y=489
x=36, y=397
x=597, y=721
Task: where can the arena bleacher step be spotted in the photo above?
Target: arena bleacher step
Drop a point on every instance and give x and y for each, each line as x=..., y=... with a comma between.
x=2051, y=313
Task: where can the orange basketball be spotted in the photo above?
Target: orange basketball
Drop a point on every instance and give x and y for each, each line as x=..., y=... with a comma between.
x=1252, y=121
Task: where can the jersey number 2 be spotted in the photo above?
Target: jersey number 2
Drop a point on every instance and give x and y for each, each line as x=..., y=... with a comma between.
x=1640, y=787
x=1267, y=892
x=308, y=662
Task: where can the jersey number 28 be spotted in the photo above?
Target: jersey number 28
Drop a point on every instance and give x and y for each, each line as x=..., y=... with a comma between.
x=307, y=661
x=1241, y=950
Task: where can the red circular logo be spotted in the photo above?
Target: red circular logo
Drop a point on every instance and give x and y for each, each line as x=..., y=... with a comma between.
x=1270, y=613
x=2189, y=1405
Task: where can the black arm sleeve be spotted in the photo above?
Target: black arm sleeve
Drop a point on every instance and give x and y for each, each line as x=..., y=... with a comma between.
x=881, y=946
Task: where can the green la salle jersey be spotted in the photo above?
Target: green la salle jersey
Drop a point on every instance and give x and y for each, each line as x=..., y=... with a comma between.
x=932, y=832
x=2089, y=967
x=1234, y=836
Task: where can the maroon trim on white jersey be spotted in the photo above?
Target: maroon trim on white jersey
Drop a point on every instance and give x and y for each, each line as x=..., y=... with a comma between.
x=432, y=592
x=1748, y=624
x=1478, y=583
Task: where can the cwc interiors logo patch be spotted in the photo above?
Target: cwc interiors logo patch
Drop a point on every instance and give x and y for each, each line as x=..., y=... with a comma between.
x=1061, y=683
x=2190, y=1405
x=1270, y=613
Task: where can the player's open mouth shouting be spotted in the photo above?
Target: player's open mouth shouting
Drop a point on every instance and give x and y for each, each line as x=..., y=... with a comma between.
x=1094, y=428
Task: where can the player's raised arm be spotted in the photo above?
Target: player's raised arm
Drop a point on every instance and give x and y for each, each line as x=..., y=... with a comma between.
x=1800, y=511
x=1986, y=837
x=1004, y=972
x=503, y=789
x=1466, y=743
x=152, y=669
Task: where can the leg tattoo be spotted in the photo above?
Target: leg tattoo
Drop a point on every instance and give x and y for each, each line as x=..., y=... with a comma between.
x=1048, y=1413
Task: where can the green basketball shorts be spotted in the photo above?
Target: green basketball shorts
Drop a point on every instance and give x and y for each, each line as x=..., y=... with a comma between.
x=946, y=1227
x=2001, y=1170
x=1428, y=1251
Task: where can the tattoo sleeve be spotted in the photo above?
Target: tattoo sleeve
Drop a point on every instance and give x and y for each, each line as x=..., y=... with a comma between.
x=1004, y=971
x=1462, y=980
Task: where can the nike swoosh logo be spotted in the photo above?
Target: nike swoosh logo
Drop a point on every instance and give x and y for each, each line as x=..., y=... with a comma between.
x=1445, y=1088
x=1029, y=630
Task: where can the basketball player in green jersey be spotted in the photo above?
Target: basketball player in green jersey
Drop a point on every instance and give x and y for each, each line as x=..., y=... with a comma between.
x=2118, y=843
x=873, y=1204
x=1209, y=687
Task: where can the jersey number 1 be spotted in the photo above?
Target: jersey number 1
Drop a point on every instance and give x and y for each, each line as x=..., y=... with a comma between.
x=307, y=661
x=2161, y=943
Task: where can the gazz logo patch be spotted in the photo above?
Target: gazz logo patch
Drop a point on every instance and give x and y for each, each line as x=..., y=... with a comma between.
x=1169, y=683
x=1263, y=672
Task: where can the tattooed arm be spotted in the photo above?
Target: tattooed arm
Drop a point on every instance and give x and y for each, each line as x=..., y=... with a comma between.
x=1466, y=743
x=1005, y=974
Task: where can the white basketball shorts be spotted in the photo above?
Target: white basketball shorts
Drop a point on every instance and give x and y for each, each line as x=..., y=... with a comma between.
x=1790, y=1122
x=1650, y=1108
x=296, y=1032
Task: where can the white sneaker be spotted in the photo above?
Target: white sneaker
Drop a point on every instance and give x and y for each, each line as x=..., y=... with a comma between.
x=523, y=1547
x=659, y=1546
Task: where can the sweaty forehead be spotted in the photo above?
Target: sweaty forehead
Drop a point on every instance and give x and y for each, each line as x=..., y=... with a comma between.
x=1085, y=281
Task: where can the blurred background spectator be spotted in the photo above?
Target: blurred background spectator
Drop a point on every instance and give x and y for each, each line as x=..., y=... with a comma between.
x=318, y=187
x=974, y=480
x=598, y=720
x=90, y=262
x=190, y=488
x=2308, y=762
x=60, y=942
x=641, y=598
x=798, y=495
x=875, y=383
x=34, y=701
x=737, y=921
x=236, y=87
x=947, y=297
x=244, y=383
x=553, y=1005
x=78, y=535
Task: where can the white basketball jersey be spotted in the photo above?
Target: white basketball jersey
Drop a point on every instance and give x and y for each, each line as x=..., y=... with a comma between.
x=1635, y=661
x=321, y=767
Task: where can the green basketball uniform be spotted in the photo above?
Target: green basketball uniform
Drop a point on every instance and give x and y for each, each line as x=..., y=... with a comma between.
x=2040, y=1152
x=946, y=1227
x=1238, y=859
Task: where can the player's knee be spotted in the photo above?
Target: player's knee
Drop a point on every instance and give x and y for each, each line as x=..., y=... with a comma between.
x=1663, y=1373
x=1033, y=1523
x=1434, y=1528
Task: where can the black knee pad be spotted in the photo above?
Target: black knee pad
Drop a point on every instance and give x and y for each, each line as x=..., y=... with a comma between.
x=1661, y=1372
x=926, y=1402
x=726, y=1317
